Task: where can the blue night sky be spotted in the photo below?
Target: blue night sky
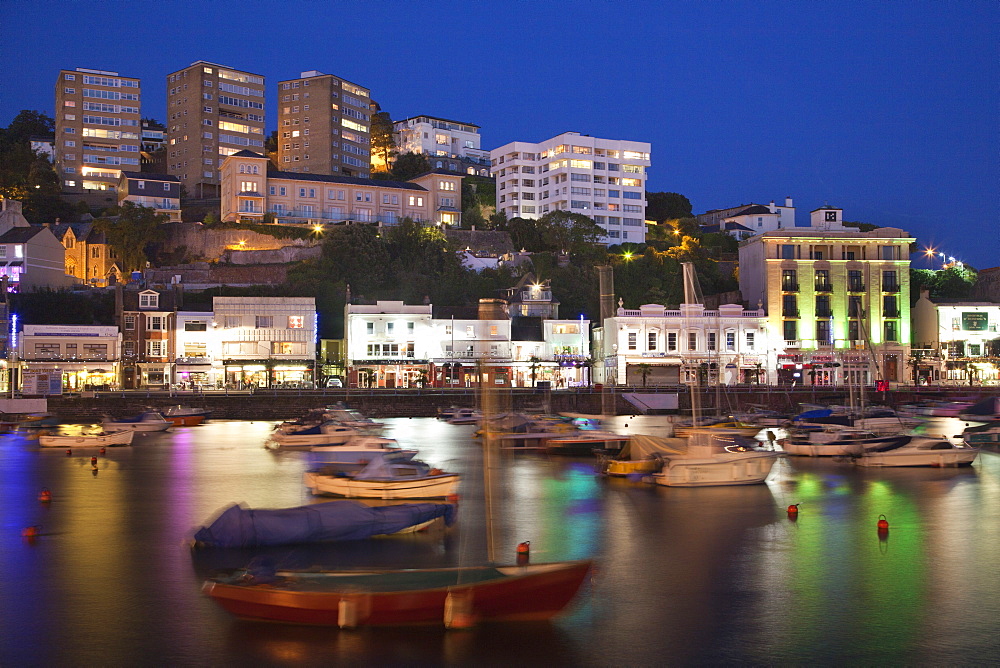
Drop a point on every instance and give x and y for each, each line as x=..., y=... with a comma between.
x=889, y=110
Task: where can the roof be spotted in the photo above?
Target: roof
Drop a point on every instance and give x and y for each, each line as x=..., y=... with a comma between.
x=19, y=235
x=85, y=232
x=729, y=227
x=436, y=118
x=143, y=176
x=246, y=153
x=752, y=210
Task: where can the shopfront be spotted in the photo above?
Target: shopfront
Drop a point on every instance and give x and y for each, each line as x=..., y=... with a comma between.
x=248, y=374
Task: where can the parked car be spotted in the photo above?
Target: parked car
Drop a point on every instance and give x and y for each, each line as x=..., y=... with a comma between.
x=334, y=382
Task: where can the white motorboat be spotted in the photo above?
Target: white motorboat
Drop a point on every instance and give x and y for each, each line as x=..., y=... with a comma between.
x=387, y=474
x=464, y=416
x=123, y=437
x=354, y=419
x=921, y=451
x=711, y=457
x=327, y=433
x=986, y=434
x=839, y=441
x=146, y=422
x=360, y=442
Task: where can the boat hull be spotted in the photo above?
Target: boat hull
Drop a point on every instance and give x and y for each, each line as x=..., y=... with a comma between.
x=839, y=448
x=86, y=440
x=431, y=487
x=743, y=470
x=521, y=593
x=185, y=420
x=917, y=457
x=137, y=426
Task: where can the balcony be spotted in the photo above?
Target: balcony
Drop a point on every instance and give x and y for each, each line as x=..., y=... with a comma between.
x=824, y=313
x=890, y=313
x=303, y=216
x=249, y=208
x=890, y=287
x=789, y=286
x=855, y=286
x=824, y=287
x=790, y=312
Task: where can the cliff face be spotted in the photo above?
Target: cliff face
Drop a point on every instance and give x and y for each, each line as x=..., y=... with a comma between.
x=212, y=244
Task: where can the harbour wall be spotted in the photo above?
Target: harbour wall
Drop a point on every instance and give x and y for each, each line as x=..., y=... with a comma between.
x=285, y=404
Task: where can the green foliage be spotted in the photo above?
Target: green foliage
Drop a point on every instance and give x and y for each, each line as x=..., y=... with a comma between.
x=153, y=124
x=952, y=283
x=409, y=165
x=64, y=307
x=864, y=227
x=211, y=219
x=44, y=202
x=133, y=234
x=662, y=206
x=383, y=141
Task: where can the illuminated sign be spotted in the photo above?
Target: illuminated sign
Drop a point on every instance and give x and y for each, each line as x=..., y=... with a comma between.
x=975, y=321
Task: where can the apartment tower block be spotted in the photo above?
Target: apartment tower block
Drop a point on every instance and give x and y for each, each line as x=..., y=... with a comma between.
x=97, y=133
x=604, y=179
x=213, y=111
x=324, y=126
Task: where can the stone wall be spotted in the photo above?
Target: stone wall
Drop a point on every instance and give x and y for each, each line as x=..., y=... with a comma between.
x=211, y=244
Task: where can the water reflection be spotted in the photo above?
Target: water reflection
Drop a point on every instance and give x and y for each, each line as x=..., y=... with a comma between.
x=686, y=575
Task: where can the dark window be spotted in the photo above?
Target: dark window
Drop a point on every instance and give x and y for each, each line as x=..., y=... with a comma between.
x=790, y=330
x=789, y=306
x=823, y=332
x=787, y=252
x=891, y=330
x=789, y=280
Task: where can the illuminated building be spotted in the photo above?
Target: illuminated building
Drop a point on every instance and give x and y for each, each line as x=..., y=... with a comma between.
x=250, y=190
x=749, y=219
x=448, y=145
x=85, y=357
x=30, y=255
x=837, y=299
x=955, y=341
x=604, y=179
x=97, y=133
x=89, y=256
x=324, y=126
x=213, y=111
x=146, y=319
x=161, y=192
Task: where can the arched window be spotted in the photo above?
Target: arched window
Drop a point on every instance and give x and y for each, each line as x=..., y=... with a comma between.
x=243, y=169
x=439, y=164
x=256, y=169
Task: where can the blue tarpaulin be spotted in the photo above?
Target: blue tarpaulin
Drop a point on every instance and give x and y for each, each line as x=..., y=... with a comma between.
x=238, y=526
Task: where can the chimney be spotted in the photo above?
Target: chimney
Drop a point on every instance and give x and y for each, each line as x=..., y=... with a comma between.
x=788, y=202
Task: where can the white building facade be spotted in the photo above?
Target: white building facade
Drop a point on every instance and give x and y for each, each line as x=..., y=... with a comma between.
x=76, y=357
x=689, y=345
x=604, y=179
x=443, y=142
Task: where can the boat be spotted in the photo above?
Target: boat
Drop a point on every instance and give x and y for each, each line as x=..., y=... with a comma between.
x=326, y=433
x=641, y=456
x=354, y=419
x=455, y=596
x=920, y=451
x=836, y=441
x=980, y=435
x=716, y=457
x=239, y=526
x=464, y=416
x=186, y=416
x=382, y=474
x=359, y=443
x=586, y=442
x=985, y=410
x=146, y=421
x=123, y=437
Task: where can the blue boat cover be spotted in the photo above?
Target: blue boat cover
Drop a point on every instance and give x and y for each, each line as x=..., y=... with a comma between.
x=818, y=413
x=238, y=526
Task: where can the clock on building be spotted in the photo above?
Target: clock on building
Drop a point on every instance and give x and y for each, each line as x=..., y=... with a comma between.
x=831, y=216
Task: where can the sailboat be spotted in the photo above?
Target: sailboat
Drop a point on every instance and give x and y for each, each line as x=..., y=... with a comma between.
x=454, y=596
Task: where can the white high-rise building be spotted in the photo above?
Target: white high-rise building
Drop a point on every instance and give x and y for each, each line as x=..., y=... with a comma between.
x=601, y=178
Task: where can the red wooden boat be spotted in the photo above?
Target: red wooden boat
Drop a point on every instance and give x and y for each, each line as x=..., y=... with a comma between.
x=453, y=596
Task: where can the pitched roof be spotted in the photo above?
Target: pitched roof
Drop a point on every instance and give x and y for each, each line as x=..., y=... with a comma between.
x=19, y=235
x=752, y=210
x=245, y=153
x=143, y=176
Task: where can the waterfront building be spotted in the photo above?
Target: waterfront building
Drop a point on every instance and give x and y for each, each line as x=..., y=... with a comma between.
x=97, y=120
x=324, y=126
x=955, y=342
x=88, y=256
x=198, y=364
x=161, y=192
x=392, y=344
x=250, y=190
x=147, y=319
x=153, y=156
x=604, y=179
x=755, y=218
x=213, y=111
x=688, y=345
x=68, y=358
x=267, y=341
x=30, y=255
x=833, y=296
x=453, y=146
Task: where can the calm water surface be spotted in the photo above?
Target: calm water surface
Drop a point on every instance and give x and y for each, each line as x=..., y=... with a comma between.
x=687, y=576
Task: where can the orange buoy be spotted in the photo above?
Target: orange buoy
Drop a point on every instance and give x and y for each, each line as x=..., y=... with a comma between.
x=523, y=553
x=793, y=509
x=93, y=461
x=45, y=496
x=883, y=523
x=29, y=532
x=103, y=450
x=69, y=452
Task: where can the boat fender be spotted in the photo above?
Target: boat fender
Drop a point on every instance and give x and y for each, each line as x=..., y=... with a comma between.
x=45, y=495
x=435, y=472
x=458, y=610
x=523, y=553
x=882, y=524
x=103, y=450
x=93, y=461
x=453, y=499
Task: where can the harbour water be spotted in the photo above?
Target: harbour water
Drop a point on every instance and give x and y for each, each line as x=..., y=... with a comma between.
x=703, y=576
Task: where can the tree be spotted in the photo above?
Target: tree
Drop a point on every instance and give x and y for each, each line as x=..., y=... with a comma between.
x=383, y=140
x=663, y=206
x=132, y=234
x=567, y=232
x=44, y=202
x=644, y=370
x=409, y=165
